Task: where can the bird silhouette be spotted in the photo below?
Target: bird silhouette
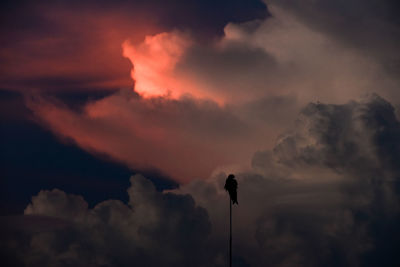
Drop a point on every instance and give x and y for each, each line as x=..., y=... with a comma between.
x=231, y=186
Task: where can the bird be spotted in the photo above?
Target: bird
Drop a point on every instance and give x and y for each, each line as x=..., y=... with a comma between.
x=231, y=186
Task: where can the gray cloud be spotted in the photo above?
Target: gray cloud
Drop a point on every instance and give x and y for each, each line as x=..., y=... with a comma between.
x=262, y=71
x=185, y=138
x=371, y=27
x=327, y=194
x=153, y=229
x=288, y=55
x=237, y=70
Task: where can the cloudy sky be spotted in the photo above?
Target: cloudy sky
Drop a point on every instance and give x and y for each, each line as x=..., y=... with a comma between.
x=120, y=121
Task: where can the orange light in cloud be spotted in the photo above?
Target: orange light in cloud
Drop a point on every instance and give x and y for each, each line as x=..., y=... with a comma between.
x=154, y=62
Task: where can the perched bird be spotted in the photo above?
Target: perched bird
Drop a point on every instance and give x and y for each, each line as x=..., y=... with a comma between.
x=231, y=186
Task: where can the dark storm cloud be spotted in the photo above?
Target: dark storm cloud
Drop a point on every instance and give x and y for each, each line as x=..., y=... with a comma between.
x=359, y=142
x=327, y=194
x=342, y=146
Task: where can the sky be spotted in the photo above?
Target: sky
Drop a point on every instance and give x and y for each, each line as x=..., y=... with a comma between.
x=120, y=121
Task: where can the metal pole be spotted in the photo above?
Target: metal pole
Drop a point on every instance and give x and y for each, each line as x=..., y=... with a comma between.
x=230, y=232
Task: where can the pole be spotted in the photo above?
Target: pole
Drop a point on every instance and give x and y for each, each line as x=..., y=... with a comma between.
x=230, y=232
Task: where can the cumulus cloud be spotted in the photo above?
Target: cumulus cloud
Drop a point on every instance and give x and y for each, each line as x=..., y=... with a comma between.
x=153, y=229
x=283, y=55
x=323, y=193
x=326, y=194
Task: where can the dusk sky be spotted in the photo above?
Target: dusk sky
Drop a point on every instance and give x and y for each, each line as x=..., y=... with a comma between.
x=121, y=120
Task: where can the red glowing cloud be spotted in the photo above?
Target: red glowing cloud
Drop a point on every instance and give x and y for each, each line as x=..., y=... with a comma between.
x=75, y=51
x=154, y=62
x=185, y=139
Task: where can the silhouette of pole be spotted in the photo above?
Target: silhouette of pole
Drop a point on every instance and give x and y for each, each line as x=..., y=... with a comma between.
x=231, y=186
x=230, y=232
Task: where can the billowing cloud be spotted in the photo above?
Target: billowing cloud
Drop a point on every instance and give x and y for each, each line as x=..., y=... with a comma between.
x=326, y=194
x=67, y=46
x=152, y=229
x=205, y=101
x=194, y=104
x=185, y=138
x=153, y=61
x=283, y=55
